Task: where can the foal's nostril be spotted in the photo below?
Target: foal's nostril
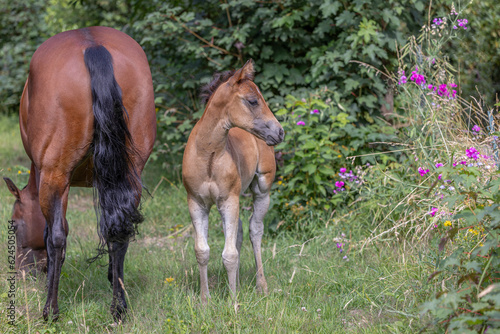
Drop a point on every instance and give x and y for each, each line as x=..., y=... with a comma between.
x=282, y=134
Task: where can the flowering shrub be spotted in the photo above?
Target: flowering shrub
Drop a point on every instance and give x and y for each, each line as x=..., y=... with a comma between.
x=460, y=203
x=312, y=167
x=469, y=300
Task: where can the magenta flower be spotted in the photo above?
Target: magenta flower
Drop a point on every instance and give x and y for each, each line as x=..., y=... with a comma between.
x=463, y=23
x=437, y=21
x=418, y=78
x=433, y=212
x=440, y=176
x=339, y=184
x=315, y=111
x=301, y=123
x=439, y=165
x=472, y=153
x=343, y=170
x=422, y=171
x=443, y=90
x=402, y=80
x=476, y=128
x=339, y=245
x=429, y=87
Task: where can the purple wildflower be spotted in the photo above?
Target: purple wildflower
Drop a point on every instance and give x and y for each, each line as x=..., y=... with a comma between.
x=301, y=123
x=418, y=78
x=472, y=153
x=422, y=171
x=339, y=184
x=433, y=212
x=476, y=128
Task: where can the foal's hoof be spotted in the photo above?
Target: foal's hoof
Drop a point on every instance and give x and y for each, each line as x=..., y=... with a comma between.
x=262, y=289
x=47, y=312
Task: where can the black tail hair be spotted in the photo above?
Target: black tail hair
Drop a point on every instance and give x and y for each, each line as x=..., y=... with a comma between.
x=116, y=181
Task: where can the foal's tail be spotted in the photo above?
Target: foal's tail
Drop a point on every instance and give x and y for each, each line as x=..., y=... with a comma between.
x=115, y=179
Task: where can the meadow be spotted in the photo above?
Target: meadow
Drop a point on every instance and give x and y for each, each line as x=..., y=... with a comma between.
x=313, y=286
x=385, y=211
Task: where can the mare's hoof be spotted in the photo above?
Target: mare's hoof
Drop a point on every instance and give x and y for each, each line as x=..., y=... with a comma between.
x=47, y=313
x=119, y=313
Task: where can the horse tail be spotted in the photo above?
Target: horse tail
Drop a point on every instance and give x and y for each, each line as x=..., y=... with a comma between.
x=115, y=179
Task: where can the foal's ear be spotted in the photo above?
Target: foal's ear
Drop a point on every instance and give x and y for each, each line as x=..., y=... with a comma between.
x=12, y=188
x=246, y=72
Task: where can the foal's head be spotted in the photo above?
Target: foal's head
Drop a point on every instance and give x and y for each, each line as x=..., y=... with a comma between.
x=240, y=99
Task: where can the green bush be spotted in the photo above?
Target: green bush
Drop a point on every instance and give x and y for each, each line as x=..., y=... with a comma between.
x=21, y=32
x=297, y=46
x=313, y=170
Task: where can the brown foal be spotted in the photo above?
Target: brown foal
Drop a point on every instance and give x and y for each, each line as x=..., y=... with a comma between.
x=87, y=118
x=229, y=150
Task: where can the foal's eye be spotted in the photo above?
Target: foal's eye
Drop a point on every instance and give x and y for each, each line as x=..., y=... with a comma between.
x=253, y=103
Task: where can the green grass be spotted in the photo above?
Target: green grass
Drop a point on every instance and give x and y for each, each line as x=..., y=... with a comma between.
x=312, y=289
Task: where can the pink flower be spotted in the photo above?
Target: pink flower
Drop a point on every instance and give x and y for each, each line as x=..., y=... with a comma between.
x=339, y=184
x=443, y=90
x=301, y=123
x=343, y=170
x=439, y=165
x=422, y=171
x=476, y=128
x=315, y=111
x=472, y=153
x=418, y=78
x=433, y=212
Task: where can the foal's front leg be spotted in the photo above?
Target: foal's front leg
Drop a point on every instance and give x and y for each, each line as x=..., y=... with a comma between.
x=229, y=211
x=199, y=217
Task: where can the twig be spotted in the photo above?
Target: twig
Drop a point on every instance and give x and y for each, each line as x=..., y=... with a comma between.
x=161, y=180
x=202, y=39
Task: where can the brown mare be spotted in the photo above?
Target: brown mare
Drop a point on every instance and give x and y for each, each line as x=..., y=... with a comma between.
x=226, y=153
x=87, y=118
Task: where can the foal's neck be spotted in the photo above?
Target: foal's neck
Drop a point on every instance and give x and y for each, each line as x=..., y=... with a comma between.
x=211, y=131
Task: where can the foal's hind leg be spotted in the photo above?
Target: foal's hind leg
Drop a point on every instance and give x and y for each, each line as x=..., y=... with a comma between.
x=239, y=242
x=199, y=217
x=260, y=187
x=53, y=202
x=117, y=251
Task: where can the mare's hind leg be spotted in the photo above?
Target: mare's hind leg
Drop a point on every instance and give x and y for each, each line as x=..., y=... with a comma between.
x=260, y=188
x=54, y=190
x=199, y=217
x=117, y=251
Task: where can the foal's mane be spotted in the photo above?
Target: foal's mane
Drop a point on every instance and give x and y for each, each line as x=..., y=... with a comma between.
x=218, y=79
